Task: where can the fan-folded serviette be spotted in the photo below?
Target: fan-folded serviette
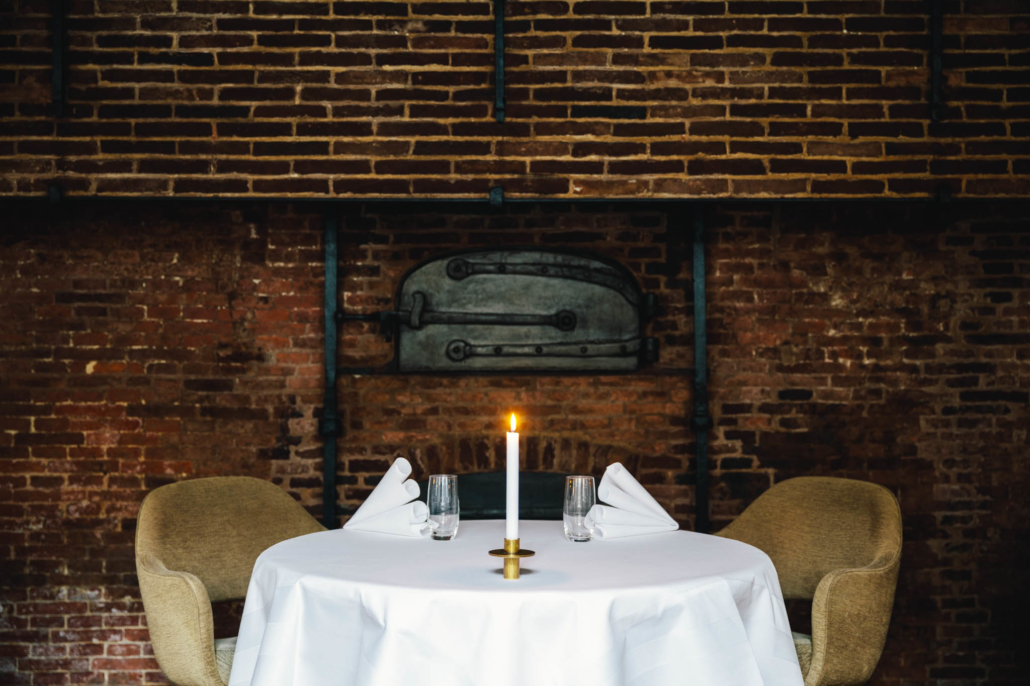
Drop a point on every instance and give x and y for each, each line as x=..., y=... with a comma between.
x=389, y=508
x=630, y=511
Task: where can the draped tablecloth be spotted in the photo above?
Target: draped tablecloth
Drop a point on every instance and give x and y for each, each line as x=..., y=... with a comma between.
x=351, y=608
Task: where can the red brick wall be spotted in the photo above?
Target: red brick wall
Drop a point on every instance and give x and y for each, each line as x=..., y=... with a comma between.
x=625, y=98
x=141, y=345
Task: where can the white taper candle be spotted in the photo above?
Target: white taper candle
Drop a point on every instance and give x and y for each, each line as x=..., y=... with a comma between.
x=511, y=519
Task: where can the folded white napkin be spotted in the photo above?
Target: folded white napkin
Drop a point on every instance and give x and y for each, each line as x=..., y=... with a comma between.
x=389, y=508
x=631, y=510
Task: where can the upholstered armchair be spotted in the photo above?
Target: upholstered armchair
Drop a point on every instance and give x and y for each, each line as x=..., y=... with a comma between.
x=196, y=542
x=836, y=542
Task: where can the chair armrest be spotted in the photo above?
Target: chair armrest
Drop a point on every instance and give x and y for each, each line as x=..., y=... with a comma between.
x=179, y=619
x=851, y=611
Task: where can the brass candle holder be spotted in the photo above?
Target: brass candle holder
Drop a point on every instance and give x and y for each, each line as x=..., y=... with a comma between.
x=511, y=554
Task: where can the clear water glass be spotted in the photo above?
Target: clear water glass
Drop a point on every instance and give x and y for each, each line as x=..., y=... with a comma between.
x=579, y=498
x=443, y=506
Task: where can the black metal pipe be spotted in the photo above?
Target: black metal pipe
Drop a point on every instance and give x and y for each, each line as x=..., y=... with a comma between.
x=936, y=60
x=700, y=421
x=499, y=59
x=57, y=41
x=330, y=427
x=374, y=202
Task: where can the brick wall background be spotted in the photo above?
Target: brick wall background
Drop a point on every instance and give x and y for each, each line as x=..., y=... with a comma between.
x=143, y=344
x=605, y=98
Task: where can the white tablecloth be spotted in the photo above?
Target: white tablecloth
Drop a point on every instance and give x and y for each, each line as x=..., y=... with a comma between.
x=350, y=608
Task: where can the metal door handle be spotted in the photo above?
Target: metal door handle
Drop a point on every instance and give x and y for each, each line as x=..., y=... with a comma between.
x=460, y=269
x=418, y=316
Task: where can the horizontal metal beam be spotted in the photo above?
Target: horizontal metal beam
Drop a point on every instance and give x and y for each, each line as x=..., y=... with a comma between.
x=658, y=202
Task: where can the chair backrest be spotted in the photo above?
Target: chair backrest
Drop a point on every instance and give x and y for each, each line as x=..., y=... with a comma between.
x=215, y=528
x=810, y=526
x=482, y=495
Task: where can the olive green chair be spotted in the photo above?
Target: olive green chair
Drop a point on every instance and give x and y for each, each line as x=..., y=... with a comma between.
x=196, y=542
x=836, y=542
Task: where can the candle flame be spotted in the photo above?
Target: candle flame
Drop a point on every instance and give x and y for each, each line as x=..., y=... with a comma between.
x=513, y=423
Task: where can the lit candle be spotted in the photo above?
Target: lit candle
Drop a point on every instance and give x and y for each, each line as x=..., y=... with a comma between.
x=511, y=520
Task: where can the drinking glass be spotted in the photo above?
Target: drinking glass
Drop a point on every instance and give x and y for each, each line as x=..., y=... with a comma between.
x=579, y=498
x=443, y=506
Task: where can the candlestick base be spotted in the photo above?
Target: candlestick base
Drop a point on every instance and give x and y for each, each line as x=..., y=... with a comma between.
x=511, y=553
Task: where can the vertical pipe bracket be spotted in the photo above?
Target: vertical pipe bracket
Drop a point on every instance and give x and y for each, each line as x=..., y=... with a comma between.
x=496, y=196
x=701, y=420
x=57, y=43
x=330, y=427
x=936, y=60
x=499, y=60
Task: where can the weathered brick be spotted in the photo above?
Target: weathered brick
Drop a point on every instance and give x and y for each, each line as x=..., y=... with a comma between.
x=722, y=68
x=829, y=384
x=817, y=98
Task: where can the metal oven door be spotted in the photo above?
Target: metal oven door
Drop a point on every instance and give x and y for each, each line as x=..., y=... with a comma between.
x=521, y=310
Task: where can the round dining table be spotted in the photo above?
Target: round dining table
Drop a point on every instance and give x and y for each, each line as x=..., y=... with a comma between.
x=354, y=608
